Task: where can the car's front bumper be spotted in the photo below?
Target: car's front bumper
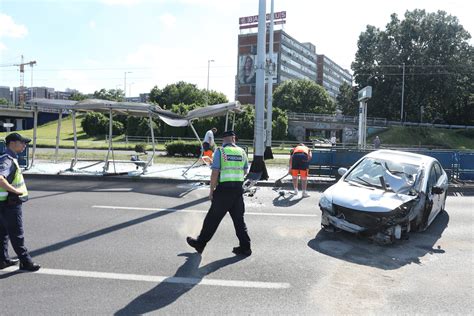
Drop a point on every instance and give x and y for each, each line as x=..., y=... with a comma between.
x=327, y=219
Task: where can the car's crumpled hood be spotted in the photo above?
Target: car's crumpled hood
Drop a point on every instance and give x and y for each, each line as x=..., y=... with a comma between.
x=364, y=199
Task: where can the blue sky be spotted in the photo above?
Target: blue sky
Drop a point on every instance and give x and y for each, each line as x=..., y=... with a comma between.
x=89, y=44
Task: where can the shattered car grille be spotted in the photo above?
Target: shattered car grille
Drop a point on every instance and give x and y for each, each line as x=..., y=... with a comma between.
x=370, y=220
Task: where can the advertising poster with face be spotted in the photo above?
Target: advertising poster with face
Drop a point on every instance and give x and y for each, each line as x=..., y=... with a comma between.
x=247, y=69
x=247, y=73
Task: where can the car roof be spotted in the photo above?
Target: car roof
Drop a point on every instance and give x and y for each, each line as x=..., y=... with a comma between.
x=402, y=156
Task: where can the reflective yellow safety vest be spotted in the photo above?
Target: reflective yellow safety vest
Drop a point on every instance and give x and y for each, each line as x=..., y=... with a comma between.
x=18, y=183
x=233, y=160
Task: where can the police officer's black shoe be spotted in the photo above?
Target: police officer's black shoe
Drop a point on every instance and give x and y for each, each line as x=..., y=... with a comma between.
x=195, y=244
x=8, y=263
x=242, y=251
x=29, y=266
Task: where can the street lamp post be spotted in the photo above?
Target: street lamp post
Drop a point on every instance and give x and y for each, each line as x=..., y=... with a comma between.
x=209, y=61
x=125, y=83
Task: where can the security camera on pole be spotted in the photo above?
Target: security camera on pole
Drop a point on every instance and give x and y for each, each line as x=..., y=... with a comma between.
x=364, y=95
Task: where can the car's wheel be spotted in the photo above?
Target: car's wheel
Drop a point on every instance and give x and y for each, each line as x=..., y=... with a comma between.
x=422, y=219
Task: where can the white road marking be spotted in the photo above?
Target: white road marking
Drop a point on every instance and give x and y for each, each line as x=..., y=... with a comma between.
x=172, y=210
x=113, y=190
x=156, y=278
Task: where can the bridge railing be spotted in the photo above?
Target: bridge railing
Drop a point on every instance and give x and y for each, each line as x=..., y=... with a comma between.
x=372, y=121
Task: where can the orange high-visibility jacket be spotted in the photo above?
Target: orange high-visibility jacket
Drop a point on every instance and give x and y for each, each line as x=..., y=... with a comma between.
x=301, y=149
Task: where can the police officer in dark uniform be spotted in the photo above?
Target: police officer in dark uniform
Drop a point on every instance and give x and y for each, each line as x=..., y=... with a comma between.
x=13, y=194
x=229, y=167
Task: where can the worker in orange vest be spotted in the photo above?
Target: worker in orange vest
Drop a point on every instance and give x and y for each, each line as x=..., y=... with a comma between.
x=300, y=158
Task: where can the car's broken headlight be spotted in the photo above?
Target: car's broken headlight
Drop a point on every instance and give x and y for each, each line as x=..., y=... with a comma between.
x=326, y=204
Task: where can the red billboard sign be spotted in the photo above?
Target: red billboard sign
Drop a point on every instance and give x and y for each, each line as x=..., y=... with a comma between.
x=254, y=18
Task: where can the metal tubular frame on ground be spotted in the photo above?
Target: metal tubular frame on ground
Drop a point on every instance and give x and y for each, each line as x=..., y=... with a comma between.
x=199, y=138
x=126, y=108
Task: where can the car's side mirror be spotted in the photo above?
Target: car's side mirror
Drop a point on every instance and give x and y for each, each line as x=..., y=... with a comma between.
x=342, y=171
x=437, y=190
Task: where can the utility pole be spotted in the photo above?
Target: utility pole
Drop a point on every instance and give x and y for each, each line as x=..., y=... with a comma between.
x=258, y=168
x=270, y=71
x=403, y=92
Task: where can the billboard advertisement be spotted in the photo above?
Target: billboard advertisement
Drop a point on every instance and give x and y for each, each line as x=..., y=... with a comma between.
x=246, y=68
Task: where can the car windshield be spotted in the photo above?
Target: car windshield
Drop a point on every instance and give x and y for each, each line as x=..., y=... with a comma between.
x=384, y=174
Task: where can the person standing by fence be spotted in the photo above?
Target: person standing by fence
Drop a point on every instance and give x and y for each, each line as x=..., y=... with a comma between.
x=377, y=142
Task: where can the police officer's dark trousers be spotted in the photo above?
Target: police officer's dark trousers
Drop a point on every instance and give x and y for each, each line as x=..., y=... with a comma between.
x=226, y=200
x=11, y=226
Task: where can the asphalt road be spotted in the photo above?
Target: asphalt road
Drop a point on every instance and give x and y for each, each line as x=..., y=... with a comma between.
x=119, y=247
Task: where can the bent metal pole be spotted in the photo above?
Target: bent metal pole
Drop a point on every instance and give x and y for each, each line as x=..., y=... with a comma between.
x=58, y=135
x=74, y=130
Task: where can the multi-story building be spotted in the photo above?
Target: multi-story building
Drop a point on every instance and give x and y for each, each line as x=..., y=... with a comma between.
x=294, y=60
x=331, y=76
x=5, y=93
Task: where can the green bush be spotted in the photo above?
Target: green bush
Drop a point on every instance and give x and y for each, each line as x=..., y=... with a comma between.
x=182, y=148
x=140, y=148
x=117, y=128
x=94, y=124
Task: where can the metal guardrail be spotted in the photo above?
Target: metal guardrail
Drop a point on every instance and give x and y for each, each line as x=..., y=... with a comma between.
x=372, y=121
x=458, y=165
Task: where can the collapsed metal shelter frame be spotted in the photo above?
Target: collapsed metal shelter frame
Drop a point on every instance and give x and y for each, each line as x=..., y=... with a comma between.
x=122, y=108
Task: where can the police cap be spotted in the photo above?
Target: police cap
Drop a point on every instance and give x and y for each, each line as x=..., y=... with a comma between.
x=13, y=137
x=228, y=133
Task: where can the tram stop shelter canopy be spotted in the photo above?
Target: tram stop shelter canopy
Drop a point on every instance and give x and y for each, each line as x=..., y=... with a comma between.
x=123, y=108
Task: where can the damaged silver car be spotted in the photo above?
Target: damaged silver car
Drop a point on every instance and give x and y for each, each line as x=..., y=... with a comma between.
x=385, y=195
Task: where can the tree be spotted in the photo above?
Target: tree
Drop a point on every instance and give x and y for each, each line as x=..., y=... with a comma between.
x=111, y=95
x=279, y=124
x=438, y=68
x=77, y=96
x=4, y=101
x=185, y=93
x=176, y=93
x=303, y=96
x=346, y=100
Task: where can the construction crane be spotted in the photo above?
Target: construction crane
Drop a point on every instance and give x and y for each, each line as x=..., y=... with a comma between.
x=22, y=78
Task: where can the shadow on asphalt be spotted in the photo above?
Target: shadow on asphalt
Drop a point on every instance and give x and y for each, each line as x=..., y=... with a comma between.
x=61, y=187
x=286, y=200
x=172, y=288
x=114, y=228
x=348, y=247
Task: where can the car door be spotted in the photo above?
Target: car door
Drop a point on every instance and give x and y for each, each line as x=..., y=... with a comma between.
x=436, y=198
